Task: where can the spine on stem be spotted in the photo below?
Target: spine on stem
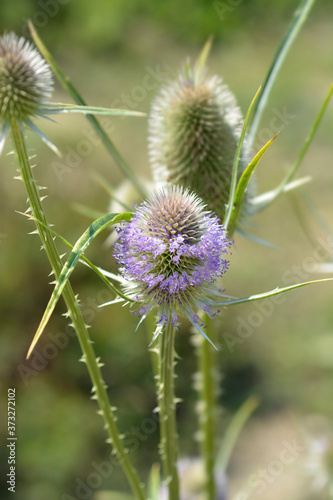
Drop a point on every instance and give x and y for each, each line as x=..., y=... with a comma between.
x=89, y=357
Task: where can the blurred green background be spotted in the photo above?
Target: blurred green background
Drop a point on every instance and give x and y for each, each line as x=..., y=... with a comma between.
x=108, y=49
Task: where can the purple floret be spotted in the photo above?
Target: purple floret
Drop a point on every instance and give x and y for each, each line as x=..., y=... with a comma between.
x=171, y=253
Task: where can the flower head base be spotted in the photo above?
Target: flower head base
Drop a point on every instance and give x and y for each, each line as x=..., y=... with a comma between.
x=195, y=125
x=171, y=253
x=26, y=82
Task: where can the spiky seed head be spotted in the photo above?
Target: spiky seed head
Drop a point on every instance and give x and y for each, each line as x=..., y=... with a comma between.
x=171, y=253
x=194, y=128
x=26, y=81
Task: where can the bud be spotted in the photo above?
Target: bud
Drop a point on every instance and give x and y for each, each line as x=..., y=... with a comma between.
x=171, y=253
x=26, y=81
x=194, y=129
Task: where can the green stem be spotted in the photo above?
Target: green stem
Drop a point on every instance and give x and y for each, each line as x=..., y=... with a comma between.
x=208, y=407
x=167, y=411
x=89, y=357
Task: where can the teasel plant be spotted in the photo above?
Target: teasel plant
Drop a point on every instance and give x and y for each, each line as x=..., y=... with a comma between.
x=168, y=270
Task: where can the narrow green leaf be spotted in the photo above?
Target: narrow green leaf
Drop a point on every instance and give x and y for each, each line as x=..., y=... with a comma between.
x=201, y=61
x=87, y=110
x=242, y=185
x=96, y=269
x=297, y=22
x=264, y=295
x=81, y=245
x=234, y=174
x=233, y=431
x=71, y=90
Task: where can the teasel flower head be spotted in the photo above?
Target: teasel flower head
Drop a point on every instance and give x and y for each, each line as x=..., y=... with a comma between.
x=194, y=128
x=26, y=83
x=171, y=255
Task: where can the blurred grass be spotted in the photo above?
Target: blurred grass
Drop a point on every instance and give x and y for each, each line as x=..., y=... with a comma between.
x=287, y=361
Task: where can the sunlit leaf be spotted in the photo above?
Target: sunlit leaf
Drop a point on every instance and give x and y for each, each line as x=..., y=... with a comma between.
x=81, y=245
x=242, y=185
x=264, y=295
x=234, y=174
x=90, y=110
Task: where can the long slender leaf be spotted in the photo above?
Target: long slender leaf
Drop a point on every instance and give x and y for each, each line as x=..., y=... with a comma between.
x=88, y=110
x=264, y=295
x=242, y=185
x=71, y=90
x=297, y=22
x=81, y=245
x=101, y=273
x=234, y=174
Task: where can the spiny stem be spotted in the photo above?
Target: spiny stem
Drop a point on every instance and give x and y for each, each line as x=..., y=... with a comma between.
x=208, y=407
x=167, y=411
x=89, y=357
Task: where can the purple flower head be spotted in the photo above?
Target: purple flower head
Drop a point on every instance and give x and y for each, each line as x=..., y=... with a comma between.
x=171, y=253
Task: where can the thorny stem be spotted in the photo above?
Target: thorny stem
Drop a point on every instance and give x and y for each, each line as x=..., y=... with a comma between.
x=167, y=411
x=89, y=357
